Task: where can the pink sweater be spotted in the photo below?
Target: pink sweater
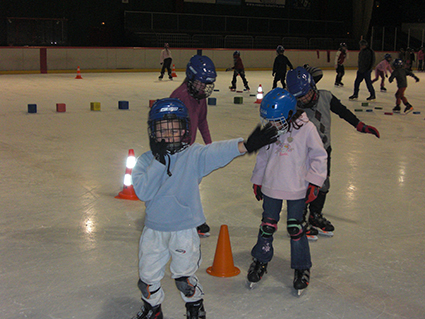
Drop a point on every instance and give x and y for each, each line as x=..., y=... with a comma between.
x=197, y=113
x=383, y=66
x=285, y=168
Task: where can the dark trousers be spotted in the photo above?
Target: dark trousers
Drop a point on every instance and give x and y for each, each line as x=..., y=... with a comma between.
x=359, y=78
x=279, y=77
x=340, y=71
x=316, y=206
x=166, y=65
x=241, y=73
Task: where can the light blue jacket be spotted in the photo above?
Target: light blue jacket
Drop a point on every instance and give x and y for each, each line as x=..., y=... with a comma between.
x=173, y=202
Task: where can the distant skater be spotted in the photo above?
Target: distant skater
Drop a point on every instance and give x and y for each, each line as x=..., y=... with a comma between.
x=400, y=74
x=165, y=60
x=280, y=65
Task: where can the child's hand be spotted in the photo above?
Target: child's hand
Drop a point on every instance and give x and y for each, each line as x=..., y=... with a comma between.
x=363, y=128
x=312, y=193
x=257, y=191
x=159, y=150
x=417, y=79
x=261, y=137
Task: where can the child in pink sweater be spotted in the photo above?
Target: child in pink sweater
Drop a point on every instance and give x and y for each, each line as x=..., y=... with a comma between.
x=381, y=71
x=291, y=169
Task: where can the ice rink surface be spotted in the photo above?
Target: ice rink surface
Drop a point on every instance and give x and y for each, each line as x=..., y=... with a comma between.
x=69, y=249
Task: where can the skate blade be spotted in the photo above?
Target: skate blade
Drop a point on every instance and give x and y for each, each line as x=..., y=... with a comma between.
x=312, y=237
x=251, y=285
x=300, y=292
x=204, y=235
x=325, y=233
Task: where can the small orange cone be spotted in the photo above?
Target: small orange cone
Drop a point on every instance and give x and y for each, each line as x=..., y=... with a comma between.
x=223, y=260
x=78, y=73
x=128, y=190
x=259, y=95
x=173, y=72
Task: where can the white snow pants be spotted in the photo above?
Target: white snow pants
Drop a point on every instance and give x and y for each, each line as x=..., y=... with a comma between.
x=155, y=250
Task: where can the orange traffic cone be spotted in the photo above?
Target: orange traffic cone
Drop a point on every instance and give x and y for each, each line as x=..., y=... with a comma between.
x=223, y=260
x=173, y=72
x=128, y=190
x=259, y=95
x=78, y=73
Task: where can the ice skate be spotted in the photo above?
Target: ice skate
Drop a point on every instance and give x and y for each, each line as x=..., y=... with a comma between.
x=383, y=89
x=255, y=272
x=195, y=310
x=397, y=109
x=301, y=280
x=160, y=77
x=232, y=88
x=203, y=230
x=311, y=233
x=371, y=98
x=149, y=312
x=324, y=226
x=353, y=97
x=246, y=88
x=408, y=108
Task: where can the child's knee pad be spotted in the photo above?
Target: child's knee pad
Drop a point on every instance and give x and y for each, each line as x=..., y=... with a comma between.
x=187, y=285
x=268, y=227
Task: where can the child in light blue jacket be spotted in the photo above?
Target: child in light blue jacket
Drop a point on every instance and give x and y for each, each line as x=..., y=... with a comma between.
x=167, y=179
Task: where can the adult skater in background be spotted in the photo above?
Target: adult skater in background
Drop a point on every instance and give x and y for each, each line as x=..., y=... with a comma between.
x=193, y=92
x=340, y=57
x=291, y=169
x=280, y=66
x=167, y=179
x=318, y=105
x=366, y=61
x=238, y=69
x=165, y=60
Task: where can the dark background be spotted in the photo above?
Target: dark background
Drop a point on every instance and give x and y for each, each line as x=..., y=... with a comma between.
x=101, y=22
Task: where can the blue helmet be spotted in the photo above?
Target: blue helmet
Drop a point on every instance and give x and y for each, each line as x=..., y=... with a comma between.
x=398, y=63
x=200, y=75
x=278, y=106
x=387, y=56
x=299, y=82
x=236, y=53
x=166, y=112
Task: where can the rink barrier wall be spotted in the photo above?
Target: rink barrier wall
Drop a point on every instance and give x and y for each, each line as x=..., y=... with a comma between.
x=138, y=59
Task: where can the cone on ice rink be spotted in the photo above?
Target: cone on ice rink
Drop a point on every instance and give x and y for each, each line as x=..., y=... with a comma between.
x=78, y=73
x=223, y=260
x=173, y=72
x=259, y=95
x=128, y=190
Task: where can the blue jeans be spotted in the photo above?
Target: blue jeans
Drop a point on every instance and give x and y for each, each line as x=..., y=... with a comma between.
x=300, y=249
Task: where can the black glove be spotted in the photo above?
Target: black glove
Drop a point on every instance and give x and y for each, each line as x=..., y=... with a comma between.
x=257, y=192
x=261, y=137
x=312, y=193
x=159, y=150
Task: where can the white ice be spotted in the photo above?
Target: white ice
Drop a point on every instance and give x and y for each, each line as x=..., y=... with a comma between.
x=69, y=248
